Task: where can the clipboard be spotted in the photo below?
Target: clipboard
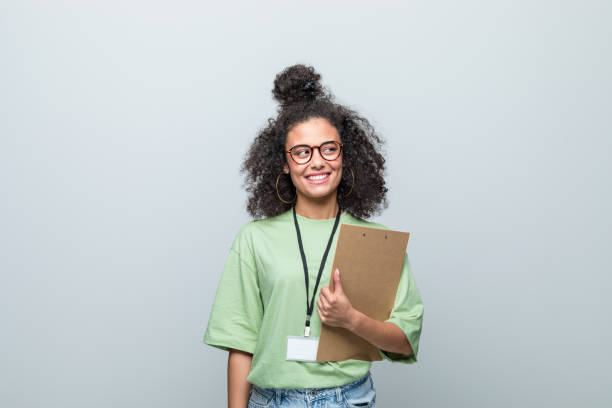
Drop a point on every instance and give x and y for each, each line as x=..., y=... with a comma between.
x=370, y=262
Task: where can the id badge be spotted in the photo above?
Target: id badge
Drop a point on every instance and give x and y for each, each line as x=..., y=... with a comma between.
x=302, y=348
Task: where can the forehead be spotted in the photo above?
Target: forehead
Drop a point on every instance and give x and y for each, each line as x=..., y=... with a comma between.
x=312, y=132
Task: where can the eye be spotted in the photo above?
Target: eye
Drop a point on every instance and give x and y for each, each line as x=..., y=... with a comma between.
x=301, y=151
x=329, y=149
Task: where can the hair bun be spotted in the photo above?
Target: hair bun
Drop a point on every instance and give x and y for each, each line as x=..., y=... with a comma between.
x=297, y=83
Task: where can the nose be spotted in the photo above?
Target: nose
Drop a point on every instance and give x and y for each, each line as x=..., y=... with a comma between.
x=317, y=160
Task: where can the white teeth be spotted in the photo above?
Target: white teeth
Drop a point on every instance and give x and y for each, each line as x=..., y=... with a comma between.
x=321, y=177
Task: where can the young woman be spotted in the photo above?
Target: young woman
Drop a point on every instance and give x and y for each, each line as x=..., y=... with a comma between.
x=313, y=167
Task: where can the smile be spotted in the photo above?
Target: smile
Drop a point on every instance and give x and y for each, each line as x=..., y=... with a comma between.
x=320, y=179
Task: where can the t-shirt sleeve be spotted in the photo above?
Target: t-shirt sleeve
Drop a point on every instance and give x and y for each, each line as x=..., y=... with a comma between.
x=237, y=310
x=407, y=314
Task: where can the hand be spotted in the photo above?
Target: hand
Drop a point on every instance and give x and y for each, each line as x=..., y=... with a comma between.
x=334, y=308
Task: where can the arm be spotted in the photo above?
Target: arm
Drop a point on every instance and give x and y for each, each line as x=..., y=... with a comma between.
x=384, y=335
x=238, y=388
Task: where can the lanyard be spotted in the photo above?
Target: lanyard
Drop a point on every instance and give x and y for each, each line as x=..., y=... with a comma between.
x=310, y=306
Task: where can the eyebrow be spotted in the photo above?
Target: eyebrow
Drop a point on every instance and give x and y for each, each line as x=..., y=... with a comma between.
x=306, y=144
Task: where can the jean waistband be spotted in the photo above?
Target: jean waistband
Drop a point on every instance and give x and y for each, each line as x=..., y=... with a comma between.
x=311, y=393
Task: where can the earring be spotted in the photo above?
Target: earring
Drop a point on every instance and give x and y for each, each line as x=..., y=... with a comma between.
x=351, y=190
x=279, y=197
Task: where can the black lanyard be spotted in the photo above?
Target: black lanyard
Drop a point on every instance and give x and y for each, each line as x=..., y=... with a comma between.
x=310, y=306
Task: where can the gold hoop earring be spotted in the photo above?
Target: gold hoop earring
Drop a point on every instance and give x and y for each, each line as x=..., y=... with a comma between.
x=351, y=190
x=279, y=197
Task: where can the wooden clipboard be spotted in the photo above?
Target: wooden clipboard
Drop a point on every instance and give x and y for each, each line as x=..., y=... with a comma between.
x=370, y=262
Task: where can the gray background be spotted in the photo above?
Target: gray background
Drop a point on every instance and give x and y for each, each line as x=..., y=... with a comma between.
x=123, y=125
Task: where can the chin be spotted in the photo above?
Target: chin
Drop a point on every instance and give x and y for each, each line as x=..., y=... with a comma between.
x=314, y=193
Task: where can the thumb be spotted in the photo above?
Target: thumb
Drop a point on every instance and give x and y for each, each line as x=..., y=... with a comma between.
x=337, y=282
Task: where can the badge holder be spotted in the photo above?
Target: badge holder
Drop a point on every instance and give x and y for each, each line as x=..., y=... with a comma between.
x=303, y=348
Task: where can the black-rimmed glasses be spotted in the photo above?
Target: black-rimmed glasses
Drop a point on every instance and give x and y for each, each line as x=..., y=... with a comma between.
x=301, y=154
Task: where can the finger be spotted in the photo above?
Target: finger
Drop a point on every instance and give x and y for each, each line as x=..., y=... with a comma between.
x=319, y=304
x=324, y=303
x=321, y=317
x=337, y=283
x=327, y=295
x=325, y=291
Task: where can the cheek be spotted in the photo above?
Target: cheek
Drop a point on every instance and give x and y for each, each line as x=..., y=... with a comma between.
x=338, y=166
x=296, y=174
x=291, y=166
x=297, y=170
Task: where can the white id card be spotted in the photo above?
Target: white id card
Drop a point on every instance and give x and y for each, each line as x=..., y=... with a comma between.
x=301, y=348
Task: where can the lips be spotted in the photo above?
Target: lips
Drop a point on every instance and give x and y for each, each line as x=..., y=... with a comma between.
x=319, y=178
x=317, y=174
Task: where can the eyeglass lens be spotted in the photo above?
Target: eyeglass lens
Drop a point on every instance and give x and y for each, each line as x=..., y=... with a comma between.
x=329, y=151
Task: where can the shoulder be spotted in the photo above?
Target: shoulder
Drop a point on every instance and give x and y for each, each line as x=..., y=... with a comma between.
x=257, y=228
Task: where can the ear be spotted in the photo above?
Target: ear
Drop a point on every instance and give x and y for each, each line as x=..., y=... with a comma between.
x=285, y=168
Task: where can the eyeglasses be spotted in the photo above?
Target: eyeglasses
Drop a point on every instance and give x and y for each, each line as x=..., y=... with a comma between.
x=301, y=154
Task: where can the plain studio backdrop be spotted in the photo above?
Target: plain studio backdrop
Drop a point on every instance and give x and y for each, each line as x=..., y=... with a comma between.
x=123, y=126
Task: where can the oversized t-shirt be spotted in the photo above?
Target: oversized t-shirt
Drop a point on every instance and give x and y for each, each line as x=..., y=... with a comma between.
x=261, y=299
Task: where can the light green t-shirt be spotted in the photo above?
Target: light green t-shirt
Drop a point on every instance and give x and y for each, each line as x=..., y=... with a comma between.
x=261, y=299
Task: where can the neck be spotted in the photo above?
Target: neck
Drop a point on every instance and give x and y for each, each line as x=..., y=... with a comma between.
x=317, y=209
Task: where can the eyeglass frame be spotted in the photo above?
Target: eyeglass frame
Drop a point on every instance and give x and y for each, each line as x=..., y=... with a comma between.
x=312, y=150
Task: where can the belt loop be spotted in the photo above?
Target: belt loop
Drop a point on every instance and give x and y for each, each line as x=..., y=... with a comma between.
x=338, y=395
x=278, y=395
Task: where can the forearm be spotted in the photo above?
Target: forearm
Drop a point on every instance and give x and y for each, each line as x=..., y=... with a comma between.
x=238, y=388
x=384, y=335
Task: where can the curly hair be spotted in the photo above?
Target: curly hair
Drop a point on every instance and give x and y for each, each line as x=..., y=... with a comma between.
x=302, y=97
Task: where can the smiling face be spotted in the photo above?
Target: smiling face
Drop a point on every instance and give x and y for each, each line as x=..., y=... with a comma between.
x=314, y=131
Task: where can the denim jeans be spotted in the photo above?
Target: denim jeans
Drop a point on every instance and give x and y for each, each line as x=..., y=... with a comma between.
x=359, y=393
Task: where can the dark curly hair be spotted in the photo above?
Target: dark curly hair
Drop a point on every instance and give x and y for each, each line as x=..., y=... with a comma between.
x=302, y=97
